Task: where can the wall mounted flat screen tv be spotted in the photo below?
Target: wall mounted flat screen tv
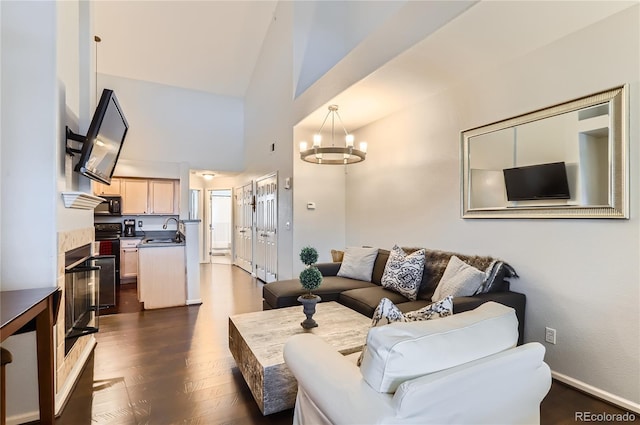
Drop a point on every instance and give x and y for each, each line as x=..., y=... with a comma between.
x=541, y=181
x=103, y=143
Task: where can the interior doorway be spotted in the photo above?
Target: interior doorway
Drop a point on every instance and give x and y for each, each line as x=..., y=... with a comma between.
x=219, y=218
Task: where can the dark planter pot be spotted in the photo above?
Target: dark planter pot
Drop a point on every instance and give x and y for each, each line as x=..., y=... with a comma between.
x=309, y=309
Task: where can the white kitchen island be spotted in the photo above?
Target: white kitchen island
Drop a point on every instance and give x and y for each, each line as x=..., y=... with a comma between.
x=162, y=275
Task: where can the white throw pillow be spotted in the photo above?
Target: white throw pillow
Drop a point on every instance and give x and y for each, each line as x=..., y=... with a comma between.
x=458, y=280
x=357, y=263
x=403, y=273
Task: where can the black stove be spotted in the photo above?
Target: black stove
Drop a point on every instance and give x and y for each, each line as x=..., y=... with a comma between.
x=108, y=241
x=108, y=231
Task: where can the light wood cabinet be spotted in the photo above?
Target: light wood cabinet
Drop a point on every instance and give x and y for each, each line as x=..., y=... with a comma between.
x=162, y=276
x=129, y=259
x=161, y=197
x=108, y=190
x=135, y=196
x=150, y=196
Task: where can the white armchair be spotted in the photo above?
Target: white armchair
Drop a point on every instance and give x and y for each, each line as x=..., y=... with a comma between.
x=461, y=369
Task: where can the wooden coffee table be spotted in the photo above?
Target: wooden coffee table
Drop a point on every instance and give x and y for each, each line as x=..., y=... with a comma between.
x=256, y=341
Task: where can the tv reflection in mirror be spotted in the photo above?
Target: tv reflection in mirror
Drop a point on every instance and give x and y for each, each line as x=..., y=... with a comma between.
x=103, y=143
x=536, y=182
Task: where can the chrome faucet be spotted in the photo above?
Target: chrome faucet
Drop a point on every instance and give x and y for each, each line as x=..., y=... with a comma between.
x=164, y=226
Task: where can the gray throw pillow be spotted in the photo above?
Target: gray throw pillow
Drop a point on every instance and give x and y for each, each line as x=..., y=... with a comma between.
x=458, y=280
x=403, y=272
x=357, y=263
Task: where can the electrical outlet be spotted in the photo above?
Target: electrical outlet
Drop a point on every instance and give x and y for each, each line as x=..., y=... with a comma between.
x=550, y=335
x=140, y=224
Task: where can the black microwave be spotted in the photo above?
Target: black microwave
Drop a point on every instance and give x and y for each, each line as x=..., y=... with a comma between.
x=112, y=205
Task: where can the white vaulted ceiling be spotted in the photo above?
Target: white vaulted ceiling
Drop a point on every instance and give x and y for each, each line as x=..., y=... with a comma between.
x=213, y=46
x=210, y=46
x=484, y=37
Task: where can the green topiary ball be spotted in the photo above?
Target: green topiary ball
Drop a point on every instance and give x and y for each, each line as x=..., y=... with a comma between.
x=310, y=278
x=308, y=255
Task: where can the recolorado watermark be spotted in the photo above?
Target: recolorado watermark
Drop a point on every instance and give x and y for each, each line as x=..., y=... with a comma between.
x=604, y=417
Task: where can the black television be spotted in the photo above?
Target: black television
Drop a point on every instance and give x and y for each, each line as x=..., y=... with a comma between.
x=102, y=145
x=540, y=181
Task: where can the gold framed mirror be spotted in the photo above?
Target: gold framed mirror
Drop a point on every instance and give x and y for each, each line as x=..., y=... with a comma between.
x=566, y=161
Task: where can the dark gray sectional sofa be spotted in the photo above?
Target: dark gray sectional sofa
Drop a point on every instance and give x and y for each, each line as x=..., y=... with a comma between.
x=364, y=297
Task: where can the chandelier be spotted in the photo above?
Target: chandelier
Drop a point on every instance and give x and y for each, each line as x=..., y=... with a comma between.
x=333, y=154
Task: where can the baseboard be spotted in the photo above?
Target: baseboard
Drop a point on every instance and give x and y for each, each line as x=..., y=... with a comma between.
x=597, y=392
x=65, y=392
x=195, y=301
x=23, y=418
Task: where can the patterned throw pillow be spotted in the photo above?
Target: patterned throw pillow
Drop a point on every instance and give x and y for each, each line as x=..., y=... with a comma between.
x=403, y=273
x=388, y=312
x=459, y=280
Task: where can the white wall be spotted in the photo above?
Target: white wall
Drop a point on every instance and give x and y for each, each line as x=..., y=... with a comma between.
x=74, y=51
x=29, y=129
x=267, y=120
x=29, y=125
x=325, y=185
x=173, y=125
x=580, y=276
x=43, y=56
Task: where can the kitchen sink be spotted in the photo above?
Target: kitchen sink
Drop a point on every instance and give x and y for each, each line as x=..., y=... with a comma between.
x=160, y=240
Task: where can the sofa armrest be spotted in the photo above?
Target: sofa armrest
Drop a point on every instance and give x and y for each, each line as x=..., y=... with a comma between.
x=328, y=269
x=515, y=300
x=333, y=384
x=506, y=387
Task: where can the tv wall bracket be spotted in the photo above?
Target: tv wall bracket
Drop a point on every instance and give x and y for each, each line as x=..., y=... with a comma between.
x=76, y=138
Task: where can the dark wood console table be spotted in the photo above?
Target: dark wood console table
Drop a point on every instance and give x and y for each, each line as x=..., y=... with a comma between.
x=18, y=309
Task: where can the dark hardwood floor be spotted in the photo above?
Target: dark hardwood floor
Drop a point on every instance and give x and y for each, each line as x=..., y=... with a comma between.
x=172, y=366
x=126, y=300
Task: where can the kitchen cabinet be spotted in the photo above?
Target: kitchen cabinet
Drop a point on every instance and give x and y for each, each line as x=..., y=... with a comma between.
x=150, y=196
x=108, y=190
x=135, y=196
x=162, y=276
x=162, y=197
x=129, y=259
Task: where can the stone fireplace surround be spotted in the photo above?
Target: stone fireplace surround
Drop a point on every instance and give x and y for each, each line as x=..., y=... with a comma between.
x=69, y=367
